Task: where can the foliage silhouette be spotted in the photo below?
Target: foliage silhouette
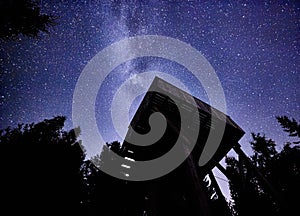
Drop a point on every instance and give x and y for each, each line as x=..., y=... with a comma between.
x=23, y=17
x=44, y=170
x=41, y=168
x=291, y=126
x=280, y=168
x=44, y=167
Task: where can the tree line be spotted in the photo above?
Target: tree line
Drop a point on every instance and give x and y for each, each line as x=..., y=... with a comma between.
x=280, y=169
x=44, y=169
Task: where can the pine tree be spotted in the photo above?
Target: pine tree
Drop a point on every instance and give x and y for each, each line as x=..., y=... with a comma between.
x=23, y=17
x=280, y=168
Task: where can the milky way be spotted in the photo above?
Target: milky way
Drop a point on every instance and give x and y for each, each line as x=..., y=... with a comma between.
x=253, y=47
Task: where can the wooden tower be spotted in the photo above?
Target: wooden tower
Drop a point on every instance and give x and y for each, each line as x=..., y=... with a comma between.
x=188, y=189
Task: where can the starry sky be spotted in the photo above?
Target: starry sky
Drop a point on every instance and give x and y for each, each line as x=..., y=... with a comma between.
x=252, y=45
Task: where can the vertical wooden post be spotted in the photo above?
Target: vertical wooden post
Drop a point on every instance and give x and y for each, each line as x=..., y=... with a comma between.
x=203, y=208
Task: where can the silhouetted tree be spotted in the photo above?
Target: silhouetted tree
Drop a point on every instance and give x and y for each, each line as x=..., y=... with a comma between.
x=106, y=155
x=44, y=171
x=249, y=197
x=281, y=169
x=290, y=125
x=41, y=166
x=22, y=17
x=264, y=151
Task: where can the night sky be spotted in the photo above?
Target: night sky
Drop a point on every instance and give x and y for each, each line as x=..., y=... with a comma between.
x=252, y=45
